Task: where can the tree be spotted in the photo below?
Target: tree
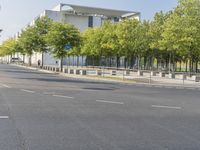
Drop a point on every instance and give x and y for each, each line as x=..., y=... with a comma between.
x=91, y=47
x=62, y=35
x=8, y=47
x=142, y=44
x=42, y=26
x=109, y=45
x=182, y=31
x=155, y=32
x=127, y=34
x=29, y=41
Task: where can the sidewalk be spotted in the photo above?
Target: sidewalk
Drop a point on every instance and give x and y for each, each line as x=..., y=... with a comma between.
x=133, y=78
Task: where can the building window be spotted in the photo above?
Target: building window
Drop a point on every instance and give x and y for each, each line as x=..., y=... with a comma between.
x=116, y=19
x=90, y=21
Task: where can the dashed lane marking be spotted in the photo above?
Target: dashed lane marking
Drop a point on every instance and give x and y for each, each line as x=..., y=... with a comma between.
x=111, y=102
x=62, y=96
x=169, y=107
x=4, y=117
x=6, y=86
x=28, y=91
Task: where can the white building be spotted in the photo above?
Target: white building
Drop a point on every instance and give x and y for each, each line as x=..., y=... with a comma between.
x=82, y=17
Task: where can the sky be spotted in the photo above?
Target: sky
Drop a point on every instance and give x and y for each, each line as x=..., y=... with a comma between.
x=16, y=14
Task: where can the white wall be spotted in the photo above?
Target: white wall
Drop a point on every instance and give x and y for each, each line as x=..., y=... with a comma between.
x=54, y=15
x=35, y=57
x=49, y=59
x=81, y=22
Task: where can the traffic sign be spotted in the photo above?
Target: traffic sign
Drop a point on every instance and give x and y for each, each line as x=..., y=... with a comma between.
x=67, y=46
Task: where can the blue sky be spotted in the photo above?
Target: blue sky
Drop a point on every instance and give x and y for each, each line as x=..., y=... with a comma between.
x=15, y=14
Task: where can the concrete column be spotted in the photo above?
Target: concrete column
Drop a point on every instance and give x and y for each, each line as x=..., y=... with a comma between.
x=71, y=71
x=140, y=73
x=196, y=78
x=57, y=69
x=113, y=72
x=172, y=75
x=153, y=73
x=65, y=70
x=161, y=74
x=77, y=71
x=98, y=72
x=182, y=77
x=83, y=72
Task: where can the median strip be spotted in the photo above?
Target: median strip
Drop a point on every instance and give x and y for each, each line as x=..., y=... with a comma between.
x=111, y=102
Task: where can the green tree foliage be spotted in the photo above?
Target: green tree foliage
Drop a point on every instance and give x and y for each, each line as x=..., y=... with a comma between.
x=8, y=47
x=42, y=26
x=127, y=34
x=173, y=36
x=29, y=41
x=59, y=36
x=182, y=30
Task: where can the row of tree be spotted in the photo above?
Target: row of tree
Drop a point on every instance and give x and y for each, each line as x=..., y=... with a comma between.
x=44, y=36
x=170, y=40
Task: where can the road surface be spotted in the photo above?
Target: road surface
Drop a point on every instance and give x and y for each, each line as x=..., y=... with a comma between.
x=40, y=111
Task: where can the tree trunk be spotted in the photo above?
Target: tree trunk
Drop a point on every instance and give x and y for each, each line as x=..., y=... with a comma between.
x=170, y=63
x=42, y=64
x=82, y=61
x=118, y=61
x=197, y=66
x=186, y=64
x=110, y=61
x=157, y=65
x=30, y=60
x=125, y=62
x=132, y=62
x=93, y=61
x=61, y=64
x=77, y=61
x=145, y=62
x=190, y=66
x=138, y=63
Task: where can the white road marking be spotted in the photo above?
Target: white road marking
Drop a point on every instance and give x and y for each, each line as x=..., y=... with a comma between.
x=6, y=86
x=170, y=107
x=28, y=91
x=111, y=102
x=4, y=117
x=62, y=96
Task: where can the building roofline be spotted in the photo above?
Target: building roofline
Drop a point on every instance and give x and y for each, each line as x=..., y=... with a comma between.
x=96, y=10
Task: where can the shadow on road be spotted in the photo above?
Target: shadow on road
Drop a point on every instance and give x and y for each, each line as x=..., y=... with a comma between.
x=69, y=80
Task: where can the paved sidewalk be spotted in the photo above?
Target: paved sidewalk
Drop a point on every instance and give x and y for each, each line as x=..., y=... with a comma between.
x=133, y=78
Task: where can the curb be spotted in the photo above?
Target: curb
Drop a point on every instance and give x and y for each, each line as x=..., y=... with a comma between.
x=104, y=79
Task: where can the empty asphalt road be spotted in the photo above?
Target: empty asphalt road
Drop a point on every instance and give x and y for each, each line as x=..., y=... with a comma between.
x=40, y=111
